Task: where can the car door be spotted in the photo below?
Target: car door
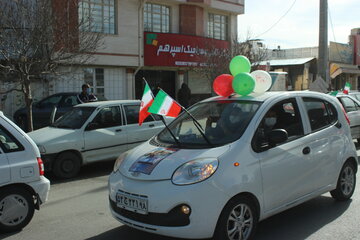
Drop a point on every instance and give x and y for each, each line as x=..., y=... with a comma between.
x=285, y=167
x=42, y=110
x=352, y=109
x=323, y=141
x=105, y=136
x=10, y=149
x=137, y=134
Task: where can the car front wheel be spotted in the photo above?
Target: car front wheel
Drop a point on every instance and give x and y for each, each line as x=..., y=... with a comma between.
x=238, y=220
x=346, y=183
x=67, y=165
x=16, y=209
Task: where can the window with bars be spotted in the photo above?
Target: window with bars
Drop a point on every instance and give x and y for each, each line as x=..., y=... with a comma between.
x=95, y=77
x=218, y=26
x=97, y=16
x=156, y=18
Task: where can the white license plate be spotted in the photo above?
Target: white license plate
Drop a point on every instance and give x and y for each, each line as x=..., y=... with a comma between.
x=132, y=203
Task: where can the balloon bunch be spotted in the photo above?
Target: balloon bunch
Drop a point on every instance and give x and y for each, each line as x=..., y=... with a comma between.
x=241, y=80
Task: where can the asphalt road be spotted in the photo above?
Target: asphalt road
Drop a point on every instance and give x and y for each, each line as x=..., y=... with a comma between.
x=78, y=209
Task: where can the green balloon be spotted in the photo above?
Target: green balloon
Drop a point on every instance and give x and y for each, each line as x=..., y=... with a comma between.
x=239, y=64
x=243, y=84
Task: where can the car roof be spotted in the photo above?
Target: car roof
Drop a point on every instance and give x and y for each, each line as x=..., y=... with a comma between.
x=262, y=97
x=106, y=103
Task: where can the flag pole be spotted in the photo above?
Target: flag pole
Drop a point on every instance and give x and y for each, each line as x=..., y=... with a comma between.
x=167, y=127
x=198, y=126
x=196, y=123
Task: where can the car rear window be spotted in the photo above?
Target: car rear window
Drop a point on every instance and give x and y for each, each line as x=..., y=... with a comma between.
x=8, y=142
x=320, y=113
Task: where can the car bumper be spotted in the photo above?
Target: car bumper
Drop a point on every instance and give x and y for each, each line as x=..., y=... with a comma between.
x=41, y=188
x=205, y=199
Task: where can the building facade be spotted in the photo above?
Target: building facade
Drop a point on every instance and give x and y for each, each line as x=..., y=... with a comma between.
x=160, y=41
x=157, y=40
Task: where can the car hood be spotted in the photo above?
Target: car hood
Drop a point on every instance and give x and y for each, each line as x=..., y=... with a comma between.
x=48, y=135
x=149, y=162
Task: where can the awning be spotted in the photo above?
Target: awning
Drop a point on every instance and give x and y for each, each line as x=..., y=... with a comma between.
x=338, y=68
x=287, y=62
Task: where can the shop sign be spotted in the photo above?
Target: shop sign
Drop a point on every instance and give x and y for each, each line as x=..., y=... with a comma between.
x=177, y=50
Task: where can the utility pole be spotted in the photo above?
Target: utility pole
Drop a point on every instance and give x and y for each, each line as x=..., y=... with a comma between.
x=323, y=58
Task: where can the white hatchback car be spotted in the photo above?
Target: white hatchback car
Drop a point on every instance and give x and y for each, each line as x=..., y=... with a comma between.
x=247, y=159
x=92, y=132
x=23, y=188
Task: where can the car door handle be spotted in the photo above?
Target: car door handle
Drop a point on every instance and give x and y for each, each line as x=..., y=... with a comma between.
x=152, y=125
x=118, y=130
x=306, y=150
x=338, y=125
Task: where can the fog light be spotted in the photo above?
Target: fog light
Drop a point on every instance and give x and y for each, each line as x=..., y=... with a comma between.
x=185, y=209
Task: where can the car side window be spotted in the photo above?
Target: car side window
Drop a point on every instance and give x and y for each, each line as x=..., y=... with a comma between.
x=50, y=102
x=108, y=117
x=284, y=115
x=132, y=114
x=349, y=104
x=69, y=101
x=320, y=113
x=8, y=142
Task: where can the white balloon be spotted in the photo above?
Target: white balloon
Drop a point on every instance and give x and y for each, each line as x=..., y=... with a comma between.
x=263, y=81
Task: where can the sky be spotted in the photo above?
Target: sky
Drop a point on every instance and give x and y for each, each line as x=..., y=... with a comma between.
x=300, y=26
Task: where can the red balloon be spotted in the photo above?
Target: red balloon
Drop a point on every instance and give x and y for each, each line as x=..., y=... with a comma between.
x=223, y=85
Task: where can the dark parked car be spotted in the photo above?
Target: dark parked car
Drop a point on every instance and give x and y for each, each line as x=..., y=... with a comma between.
x=42, y=110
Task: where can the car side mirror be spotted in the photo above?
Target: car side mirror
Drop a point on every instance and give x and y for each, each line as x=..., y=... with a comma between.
x=92, y=126
x=277, y=136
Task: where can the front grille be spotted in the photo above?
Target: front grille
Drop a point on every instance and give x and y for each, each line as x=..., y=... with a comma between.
x=174, y=218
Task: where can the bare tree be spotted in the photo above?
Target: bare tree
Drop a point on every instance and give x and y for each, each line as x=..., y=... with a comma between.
x=39, y=36
x=216, y=61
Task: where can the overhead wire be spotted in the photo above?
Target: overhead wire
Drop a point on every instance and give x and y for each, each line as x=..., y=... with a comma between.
x=272, y=26
x=333, y=32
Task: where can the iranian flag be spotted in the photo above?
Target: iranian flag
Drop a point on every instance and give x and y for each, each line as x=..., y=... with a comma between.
x=347, y=88
x=146, y=101
x=165, y=105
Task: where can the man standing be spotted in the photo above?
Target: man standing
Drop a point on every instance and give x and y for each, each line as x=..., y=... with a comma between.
x=85, y=95
x=184, y=95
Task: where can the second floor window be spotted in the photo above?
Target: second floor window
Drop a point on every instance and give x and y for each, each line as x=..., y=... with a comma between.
x=217, y=26
x=97, y=16
x=156, y=18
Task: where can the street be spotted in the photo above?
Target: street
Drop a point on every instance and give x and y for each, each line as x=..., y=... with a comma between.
x=78, y=209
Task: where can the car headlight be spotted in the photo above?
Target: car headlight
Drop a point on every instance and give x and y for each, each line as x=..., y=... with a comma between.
x=41, y=149
x=119, y=160
x=195, y=171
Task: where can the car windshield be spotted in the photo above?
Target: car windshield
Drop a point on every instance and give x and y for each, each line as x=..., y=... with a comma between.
x=74, y=119
x=220, y=122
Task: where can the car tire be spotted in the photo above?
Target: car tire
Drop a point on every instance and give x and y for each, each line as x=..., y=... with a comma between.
x=67, y=165
x=239, y=216
x=16, y=209
x=346, y=183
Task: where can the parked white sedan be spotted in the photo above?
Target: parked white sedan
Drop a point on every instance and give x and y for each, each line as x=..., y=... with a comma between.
x=92, y=132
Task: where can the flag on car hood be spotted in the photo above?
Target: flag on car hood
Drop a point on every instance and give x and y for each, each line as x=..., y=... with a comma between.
x=165, y=105
x=146, y=101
